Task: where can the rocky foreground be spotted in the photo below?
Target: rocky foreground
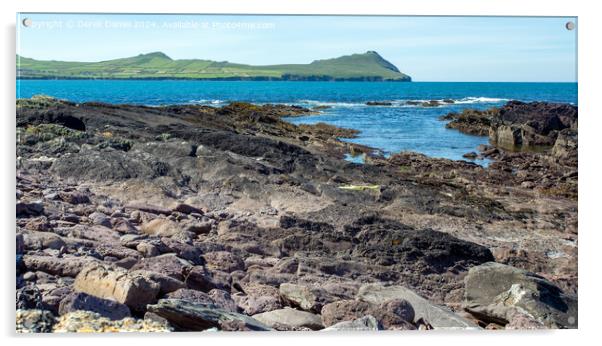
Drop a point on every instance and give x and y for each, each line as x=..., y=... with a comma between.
x=193, y=218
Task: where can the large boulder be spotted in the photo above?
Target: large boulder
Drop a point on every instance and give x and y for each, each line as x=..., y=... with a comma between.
x=289, y=317
x=437, y=316
x=500, y=293
x=104, y=281
x=188, y=316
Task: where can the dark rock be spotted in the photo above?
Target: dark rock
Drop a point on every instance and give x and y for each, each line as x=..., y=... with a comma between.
x=187, y=316
x=25, y=209
x=106, y=308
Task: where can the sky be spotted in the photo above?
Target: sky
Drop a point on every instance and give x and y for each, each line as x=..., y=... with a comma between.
x=504, y=49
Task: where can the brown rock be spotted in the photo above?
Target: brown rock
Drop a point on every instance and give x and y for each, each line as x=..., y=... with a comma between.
x=224, y=261
x=104, y=281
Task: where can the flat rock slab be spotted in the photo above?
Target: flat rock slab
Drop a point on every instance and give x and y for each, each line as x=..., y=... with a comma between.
x=290, y=318
x=188, y=316
x=438, y=317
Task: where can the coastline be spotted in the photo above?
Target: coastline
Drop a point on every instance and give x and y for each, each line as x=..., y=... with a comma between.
x=254, y=206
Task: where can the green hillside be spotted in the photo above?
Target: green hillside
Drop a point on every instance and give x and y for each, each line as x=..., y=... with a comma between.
x=369, y=66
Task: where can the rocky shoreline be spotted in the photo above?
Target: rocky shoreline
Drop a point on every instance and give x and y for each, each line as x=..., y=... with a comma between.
x=195, y=218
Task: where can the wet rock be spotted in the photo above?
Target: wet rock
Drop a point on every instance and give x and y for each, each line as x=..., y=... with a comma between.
x=104, y=281
x=104, y=307
x=291, y=318
x=187, y=316
x=495, y=292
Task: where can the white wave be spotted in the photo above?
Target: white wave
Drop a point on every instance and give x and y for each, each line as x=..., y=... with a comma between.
x=315, y=103
x=207, y=102
x=480, y=100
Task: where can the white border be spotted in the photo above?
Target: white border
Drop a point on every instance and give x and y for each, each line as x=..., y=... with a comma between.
x=589, y=103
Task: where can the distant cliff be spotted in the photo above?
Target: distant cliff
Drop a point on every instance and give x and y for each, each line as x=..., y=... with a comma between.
x=369, y=66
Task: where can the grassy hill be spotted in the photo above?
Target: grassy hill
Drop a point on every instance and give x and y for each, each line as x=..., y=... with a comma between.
x=369, y=66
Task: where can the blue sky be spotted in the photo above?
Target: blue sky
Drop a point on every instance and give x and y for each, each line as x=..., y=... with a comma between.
x=426, y=48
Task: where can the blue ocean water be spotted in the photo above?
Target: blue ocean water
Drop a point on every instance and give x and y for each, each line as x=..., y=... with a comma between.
x=395, y=128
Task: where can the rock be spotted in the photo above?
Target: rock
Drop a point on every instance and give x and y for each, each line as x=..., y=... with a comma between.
x=399, y=307
x=166, y=283
x=187, y=209
x=378, y=103
x=34, y=321
x=345, y=310
x=187, y=316
x=223, y=299
x=160, y=227
x=167, y=264
x=147, y=249
x=496, y=292
x=90, y=322
x=258, y=298
x=43, y=240
x=74, y=197
x=29, y=297
x=104, y=281
x=124, y=226
x=290, y=317
x=438, y=317
x=471, y=155
x=192, y=296
x=197, y=227
x=153, y=209
x=224, y=261
x=65, y=266
x=183, y=250
x=305, y=297
x=366, y=323
x=104, y=307
x=20, y=244
x=28, y=209
x=101, y=219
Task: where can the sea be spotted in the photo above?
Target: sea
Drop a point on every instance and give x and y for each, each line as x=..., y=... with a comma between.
x=401, y=126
